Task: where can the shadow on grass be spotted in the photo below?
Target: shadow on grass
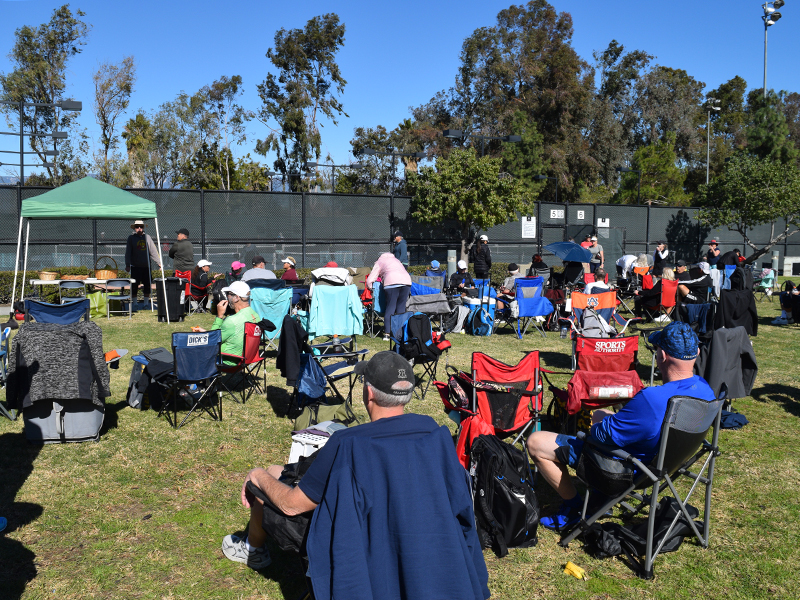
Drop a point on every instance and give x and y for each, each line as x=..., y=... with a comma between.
x=783, y=394
x=556, y=360
x=18, y=561
x=281, y=401
x=111, y=418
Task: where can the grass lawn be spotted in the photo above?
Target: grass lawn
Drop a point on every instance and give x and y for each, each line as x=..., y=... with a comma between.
x=142, y=513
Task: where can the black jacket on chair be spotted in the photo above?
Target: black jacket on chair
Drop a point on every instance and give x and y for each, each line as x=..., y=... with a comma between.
x=737, y=307
x=729, y=359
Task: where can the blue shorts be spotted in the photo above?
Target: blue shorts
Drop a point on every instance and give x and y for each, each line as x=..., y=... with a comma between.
x=569, y=449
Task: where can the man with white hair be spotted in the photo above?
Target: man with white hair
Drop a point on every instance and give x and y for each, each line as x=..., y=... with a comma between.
x=237, y=294
x=381, y=487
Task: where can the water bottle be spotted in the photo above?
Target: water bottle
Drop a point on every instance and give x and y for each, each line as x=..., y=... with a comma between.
x=563, y=332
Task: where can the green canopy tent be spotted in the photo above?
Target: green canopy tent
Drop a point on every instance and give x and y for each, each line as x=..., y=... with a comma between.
x=86, y=198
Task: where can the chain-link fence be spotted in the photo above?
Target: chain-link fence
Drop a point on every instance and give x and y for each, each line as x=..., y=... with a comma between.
x=354, y=230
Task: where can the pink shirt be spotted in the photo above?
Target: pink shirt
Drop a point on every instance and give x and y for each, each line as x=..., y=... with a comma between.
x=390, y=270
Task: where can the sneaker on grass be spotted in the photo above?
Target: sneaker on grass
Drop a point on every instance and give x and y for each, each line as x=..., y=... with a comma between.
x=567, y=515
x=235, y=549
x=780, y=321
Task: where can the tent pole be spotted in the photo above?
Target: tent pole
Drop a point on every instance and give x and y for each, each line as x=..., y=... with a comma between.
x=163, y=279
x=25, y=263
x=16, y=265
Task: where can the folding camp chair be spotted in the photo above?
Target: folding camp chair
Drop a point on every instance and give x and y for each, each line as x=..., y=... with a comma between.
x=764, y=285
x=412, y=337
x=374, y=302
x=271, y=305
x=318, y=373
x=684, y=449
x=195, y=297
x=63, y=314
x=667, y=303
x=195, y=375
x=501, y=399
x=336, y=314
x=248, y=365
x=594, y=316
x=532, y=306
x=120, y=285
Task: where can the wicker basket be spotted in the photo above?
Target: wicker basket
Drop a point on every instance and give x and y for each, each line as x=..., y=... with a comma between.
x=106, y=273
x=74, y=277
x=48, y=275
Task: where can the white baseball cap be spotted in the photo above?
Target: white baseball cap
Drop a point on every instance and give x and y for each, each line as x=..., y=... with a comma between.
x=203, y=263
x=484, y=238
x=462, y=264
x=240, y=288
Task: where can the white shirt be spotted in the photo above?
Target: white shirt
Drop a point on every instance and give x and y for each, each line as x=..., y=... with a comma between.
x=256, y=273
x=599, y=286
x=626, y=264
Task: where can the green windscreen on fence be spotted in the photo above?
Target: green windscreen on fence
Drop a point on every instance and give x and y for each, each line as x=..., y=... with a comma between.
x=88, y=198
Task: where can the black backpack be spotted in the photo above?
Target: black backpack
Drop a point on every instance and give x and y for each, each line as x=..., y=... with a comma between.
x=417, y=340
x=506, y=508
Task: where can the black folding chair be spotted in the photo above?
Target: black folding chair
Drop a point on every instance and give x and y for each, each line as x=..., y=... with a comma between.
x=684, y=450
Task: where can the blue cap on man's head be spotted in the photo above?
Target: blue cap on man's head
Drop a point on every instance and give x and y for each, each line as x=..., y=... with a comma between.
x=676, y=339
x=434, y=264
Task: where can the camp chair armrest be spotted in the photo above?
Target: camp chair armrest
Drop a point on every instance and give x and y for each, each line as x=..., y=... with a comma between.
x=348, y=354
x=618, y=453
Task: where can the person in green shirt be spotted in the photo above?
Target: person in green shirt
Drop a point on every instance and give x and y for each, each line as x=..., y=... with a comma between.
x=232, y=327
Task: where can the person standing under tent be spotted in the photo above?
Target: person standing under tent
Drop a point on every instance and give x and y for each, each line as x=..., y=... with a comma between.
x=139, y=250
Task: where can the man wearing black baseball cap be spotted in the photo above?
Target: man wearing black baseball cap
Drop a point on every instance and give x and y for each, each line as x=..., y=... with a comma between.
x=182, y=252
x=382, y=487
x=636, y=428
x=259, y=270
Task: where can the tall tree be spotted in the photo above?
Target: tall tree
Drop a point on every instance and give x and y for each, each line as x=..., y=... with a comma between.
x=523, y=160
x=661, y=178
x=668, y=100
x=768, y=132
x=791, y=109
x=614, y=115
x=525, y=62
x=469, y=190
x=113, y=86
x=754, y=191
x=40, y=57
x=305, y=90
x=231, y=118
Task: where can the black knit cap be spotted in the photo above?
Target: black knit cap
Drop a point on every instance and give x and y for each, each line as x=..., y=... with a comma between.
x=384, y=370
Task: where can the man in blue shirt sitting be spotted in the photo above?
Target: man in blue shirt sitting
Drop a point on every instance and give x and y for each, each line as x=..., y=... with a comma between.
x=636, y=428
x=393, y=514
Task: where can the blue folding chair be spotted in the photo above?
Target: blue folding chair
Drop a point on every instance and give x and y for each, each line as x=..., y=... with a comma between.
x=61, y=314
x=531, y=304
x=195, y=374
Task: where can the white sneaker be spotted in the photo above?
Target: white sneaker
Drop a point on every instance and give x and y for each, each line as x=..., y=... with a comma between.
x=661, y=319
x=780, y=321
x=236, y=550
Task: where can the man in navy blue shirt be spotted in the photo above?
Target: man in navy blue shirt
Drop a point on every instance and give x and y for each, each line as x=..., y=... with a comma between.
x=408, y=487
x=636, y=428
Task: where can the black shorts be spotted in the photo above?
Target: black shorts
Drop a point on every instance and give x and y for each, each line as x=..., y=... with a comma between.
x=288, y=532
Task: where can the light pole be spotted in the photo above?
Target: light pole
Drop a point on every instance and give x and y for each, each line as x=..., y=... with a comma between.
x=543, y=177
x=639, y=182
x=711, y=106
x=70, y=105
x=313, y=165
x=771, y=16
x=457, y=133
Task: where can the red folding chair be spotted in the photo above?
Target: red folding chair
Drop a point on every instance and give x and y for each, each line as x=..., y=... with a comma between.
x=498, y=399
x=668, y=300
x=611, y=354
x=248, y=366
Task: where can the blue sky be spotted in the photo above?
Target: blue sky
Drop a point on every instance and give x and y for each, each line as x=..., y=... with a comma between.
x=396, y=54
